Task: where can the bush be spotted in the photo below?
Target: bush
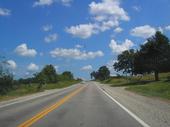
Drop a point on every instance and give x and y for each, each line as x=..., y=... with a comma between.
x=6, y=83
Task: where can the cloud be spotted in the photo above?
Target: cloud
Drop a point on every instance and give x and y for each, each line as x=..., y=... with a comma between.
x=43, y=3
x=108, y=10
x=51, y=38
x=66, y=2
x=83, y=30
x=79, y=46
x=47, y=28
x=106, y=25
x=143, y=31
x=56, y=68
x=50, y=2
x=160, y=29
x=118, y=48
x=87, y=68
x=11, y=64
x=5, y=12
x=111, y=68
x=118, y=30
x=75, y=54
x=137, y=8
x=23, y=50
x=167, y=28
x=32, y=67
x=105, y=15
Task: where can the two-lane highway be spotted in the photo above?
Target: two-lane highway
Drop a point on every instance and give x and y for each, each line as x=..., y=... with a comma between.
x=79, y=106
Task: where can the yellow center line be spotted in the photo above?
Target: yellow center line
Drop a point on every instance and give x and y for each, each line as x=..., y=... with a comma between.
x=49, y=109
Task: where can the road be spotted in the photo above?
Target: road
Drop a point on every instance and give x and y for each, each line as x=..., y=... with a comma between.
x=83, y=105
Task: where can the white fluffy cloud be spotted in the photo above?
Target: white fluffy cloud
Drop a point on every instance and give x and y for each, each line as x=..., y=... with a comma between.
x=47, y=28
x=118, y=30
x=79, y=46
x=43, y=3
x=111, y=68
x=167, y=27
x=108, y=10
x=87, y=68
x=23, y=50
x=106, y=25
x=32, y=67
x=51, y=38
x=66, y=2
x=4, y=12
x=105, y=15
x=75, y=54
x=12, y=64
x=143, y=31
x=118, y=48
x=50, y=2
x=83, y=30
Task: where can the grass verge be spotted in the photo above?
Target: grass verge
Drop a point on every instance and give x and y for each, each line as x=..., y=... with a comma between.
x=144, y=85
x=30, y=89
x=155, y=89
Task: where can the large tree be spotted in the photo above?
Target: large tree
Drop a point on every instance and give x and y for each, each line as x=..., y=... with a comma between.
x=154, y=56
x=125, y=62
x=103, y=73
x=67, y=75
x=49, y=73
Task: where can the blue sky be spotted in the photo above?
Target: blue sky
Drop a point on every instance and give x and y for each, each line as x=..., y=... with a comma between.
x=76, y=35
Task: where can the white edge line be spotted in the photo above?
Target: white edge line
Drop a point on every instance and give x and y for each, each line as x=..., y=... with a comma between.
x=127, y=110
x=35, y=97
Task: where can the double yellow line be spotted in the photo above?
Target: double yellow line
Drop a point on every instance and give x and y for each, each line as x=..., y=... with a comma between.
x=51, y=108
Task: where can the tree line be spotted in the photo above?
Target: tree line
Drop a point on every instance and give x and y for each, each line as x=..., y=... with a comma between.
x=47, y=75
x=103, y=73
x=151, y=57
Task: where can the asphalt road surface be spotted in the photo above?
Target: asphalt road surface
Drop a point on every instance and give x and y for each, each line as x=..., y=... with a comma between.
x=83, y=105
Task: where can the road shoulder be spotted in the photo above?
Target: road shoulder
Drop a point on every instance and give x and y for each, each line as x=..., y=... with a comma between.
x=153, y=111
x=33, y=96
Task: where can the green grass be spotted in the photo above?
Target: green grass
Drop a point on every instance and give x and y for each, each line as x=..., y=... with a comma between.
x=155, y=89
x=30, y=89
x=128, y=81
x=61, y=84
x=116, y=81
x=144, y=85
x=20, y=91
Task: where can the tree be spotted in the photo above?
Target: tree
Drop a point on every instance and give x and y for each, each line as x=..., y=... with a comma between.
x=6, y=78
x=154, y=56
x=125, y=62
x=103, y=73
x=42, y=79
x=50, y=73
x=93, y=75
x=67, y=75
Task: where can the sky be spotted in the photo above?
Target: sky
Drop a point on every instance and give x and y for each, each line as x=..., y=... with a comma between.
x=76, y=35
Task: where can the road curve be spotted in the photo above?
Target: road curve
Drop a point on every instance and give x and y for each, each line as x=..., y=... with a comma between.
x=80, y=106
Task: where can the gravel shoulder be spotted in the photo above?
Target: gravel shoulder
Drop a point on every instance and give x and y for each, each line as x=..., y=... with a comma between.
x=154, y=112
